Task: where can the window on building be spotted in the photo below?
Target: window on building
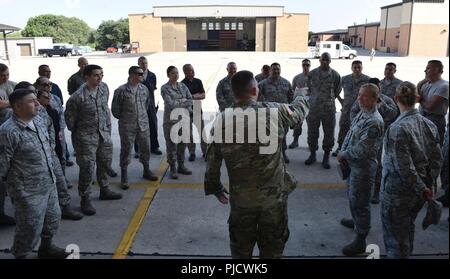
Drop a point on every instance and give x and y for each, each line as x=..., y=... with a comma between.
x=382, y=43
x=204, y=26
x=217, y=25
x=233, y=26
x=227, y=26
x=240, y=26
x=360, y=40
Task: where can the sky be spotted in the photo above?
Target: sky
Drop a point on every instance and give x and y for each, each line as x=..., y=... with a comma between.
x=324, y=14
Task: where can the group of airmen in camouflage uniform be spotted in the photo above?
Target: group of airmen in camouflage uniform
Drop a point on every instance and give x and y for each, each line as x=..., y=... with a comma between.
x=378, y=117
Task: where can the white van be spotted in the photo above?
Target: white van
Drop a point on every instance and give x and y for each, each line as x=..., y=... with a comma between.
x=336, y=49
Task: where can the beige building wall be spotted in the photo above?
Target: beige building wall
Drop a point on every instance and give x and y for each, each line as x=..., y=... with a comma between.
x=429, y=40
x=265, y=34
x=174, y=34
x=292, y=33
x=147, y=31
x=371, y=37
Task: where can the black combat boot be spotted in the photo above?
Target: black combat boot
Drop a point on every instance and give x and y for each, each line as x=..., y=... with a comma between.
x=111, y=172
x=182, y=169
x=47, y=250
x=294, y=143
x=6, y=221
x=312, y=158
x=336, y=152
x=326, y=160
x=348, y=223
x=173, y=171
x=148, y=174
x=68, y=213
x=86, y=206
x=192, y=157
x=358, y=246
x=124, y=179
x=107, y=195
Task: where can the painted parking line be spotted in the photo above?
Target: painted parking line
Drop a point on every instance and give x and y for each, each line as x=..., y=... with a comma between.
x=300, y=186
x=139, y=215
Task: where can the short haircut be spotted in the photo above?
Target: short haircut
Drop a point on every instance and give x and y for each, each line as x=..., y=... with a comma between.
x=23, y=85
x=169, y=69
x=357, y=62
x=231, y=63
x=275, y=64
x=437, y=63
x=89, y=69
x=374, y=90
x=40, y=92
x=306, y=60
x=133, y=70
x=39, y=80
x=18, y=95
x=41, y=67
x=391, y=64
x=186, y=66
x=142, y=58
x=3, y=67
x=406, y=93
x=240, y=83
x=375, y=81
x=325, y=54
x=265, y=67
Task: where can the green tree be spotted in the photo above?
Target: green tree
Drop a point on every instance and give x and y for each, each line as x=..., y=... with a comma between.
x=63, y=29
x=113, y=33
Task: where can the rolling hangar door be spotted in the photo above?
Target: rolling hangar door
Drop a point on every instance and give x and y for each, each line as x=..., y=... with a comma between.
x=224, y=34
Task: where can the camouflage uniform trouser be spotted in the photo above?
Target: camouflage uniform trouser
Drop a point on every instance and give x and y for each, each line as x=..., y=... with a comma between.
x=377, y=184
x=398, y=215
x=328, y=120
x=94, y=151
x=61, y=185
x=37, y=214
x=191, y=146
x=344, y=127
x=175, y=151
x=127, y=139
x=266, y=227
x=444, y=172
x=360, y=184
x=2, y=197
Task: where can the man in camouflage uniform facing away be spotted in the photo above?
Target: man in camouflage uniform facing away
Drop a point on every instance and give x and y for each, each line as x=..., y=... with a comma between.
x=88, y=118
x=324, y=84
x=359, y=150
x=351, y=84
x=224, y=95
x=276, y=89
x=411, y=164
x=259, y=182
x=300, y=83
x=26, y=167
x=129, y=105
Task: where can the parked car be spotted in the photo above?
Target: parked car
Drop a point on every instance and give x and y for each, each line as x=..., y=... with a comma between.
x=60, y=50
x=336, y=49
x=111, y=50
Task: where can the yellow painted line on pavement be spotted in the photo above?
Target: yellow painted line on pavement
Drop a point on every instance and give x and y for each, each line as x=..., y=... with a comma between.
x=139, y=215
x=300, y=186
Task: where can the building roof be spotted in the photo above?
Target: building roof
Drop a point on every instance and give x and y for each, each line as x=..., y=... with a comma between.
x=4, y=27
x=366, y=24
x=218, y=11
x=336, y=31
x=392, y=5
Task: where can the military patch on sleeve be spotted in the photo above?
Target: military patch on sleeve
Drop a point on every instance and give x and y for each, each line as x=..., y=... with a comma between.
x=373, y=133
